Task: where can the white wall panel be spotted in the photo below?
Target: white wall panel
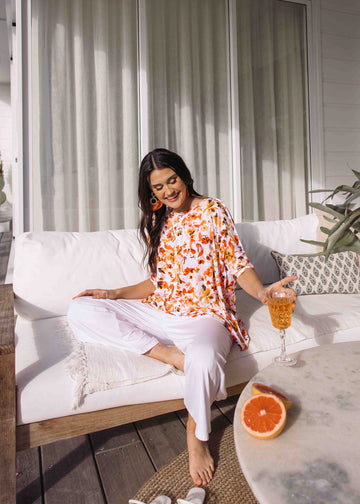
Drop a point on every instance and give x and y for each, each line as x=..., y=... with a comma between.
x=340, y=165
x=344, y=71
x=338, y=47
x=332, y=182
x=340, y=30
x=341, y=5
x=5, y=123
x=342, y=116
x=342, y=140
x=343, y=24
x=341, y=93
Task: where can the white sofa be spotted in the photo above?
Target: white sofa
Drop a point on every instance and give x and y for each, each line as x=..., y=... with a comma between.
x=51, y=267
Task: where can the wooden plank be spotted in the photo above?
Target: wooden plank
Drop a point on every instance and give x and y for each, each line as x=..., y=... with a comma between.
x=28, y=477
x=5, y=246
x=123, y=472
x=218, y=423
x=122, y=462
x=228, y=406
x=218, y=420
x=7, y=397
x=164, y=438
x=117, y=437
x=48, y=431
x=7, y=340
x=69, y=473
x=7, y=429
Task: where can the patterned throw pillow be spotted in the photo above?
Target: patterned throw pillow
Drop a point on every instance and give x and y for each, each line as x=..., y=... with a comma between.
x=340, y=274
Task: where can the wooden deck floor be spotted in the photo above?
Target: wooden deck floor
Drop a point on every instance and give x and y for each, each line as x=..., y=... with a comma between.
x=106, y=467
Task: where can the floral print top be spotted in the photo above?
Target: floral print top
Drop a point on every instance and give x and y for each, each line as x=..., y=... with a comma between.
x=199, y=260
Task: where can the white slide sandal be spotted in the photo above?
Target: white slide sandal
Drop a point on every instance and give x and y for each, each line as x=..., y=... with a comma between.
x=195, y=495
x=160, y=499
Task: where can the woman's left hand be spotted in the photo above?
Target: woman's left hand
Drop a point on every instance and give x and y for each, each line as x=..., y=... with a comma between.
x=278, y=287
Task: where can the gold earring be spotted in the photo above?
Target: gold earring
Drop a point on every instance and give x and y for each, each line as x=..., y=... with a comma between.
x=155, y=203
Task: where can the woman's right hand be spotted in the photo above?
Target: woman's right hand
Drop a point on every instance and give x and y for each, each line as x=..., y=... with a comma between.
x=138, y=291
x=98, y=293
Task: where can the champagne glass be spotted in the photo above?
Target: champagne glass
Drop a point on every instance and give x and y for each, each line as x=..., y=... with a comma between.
x=280, y=305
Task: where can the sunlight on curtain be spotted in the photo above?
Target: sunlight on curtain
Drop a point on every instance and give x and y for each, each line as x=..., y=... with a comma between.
x=100, y=98
x=273, y=108
x=85, y=121
x=187, y=68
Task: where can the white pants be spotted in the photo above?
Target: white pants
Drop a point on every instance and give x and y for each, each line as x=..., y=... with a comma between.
x=137, y=327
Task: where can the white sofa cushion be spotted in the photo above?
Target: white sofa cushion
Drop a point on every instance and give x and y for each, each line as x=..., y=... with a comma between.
x=52, y=267
x=46, y=390
x=260, y=238
x=339, y=273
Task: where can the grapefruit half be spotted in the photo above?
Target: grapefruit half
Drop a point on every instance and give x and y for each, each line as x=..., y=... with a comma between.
x=260, y=388
x=263, y=416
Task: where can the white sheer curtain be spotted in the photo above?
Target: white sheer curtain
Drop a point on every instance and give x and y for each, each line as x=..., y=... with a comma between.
x=112, y=79
x=187, y=69
x=85, y=114
x=273, y=107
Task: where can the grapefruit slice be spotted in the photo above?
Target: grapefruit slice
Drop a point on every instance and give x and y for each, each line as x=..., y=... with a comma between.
x=260, y=388
x=263, y=416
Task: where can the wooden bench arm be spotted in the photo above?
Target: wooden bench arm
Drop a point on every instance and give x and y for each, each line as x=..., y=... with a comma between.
x=7, y=397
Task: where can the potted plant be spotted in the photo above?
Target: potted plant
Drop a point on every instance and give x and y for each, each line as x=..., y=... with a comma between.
x=343, y=218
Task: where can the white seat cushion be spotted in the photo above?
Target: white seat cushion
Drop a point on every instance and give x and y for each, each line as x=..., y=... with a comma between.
x=52, y=267
x=46, y=389
x=260, y=238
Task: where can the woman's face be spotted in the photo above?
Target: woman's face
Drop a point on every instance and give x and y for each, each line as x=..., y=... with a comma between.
x=170, y=189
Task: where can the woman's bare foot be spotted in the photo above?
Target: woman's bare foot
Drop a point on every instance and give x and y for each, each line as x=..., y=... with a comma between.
x=201, y=463
x=168, y=354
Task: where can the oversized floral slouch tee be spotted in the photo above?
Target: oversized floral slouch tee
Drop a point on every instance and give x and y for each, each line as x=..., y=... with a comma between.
x=200, y=258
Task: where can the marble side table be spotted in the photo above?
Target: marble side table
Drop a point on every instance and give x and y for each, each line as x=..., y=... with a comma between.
x=316, y=458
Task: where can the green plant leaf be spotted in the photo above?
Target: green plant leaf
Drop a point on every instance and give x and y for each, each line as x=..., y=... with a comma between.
x=352, y=197
x=338, y=224
x=343, y=188
x=356, y=225
x=356, y=173
x=329, y=219
x=340, y=207
x=314, y=242
x=2, y=198
x=327, y=209
x=325, y=230
x=338, y=231
x=347, y=240
x=321, y=190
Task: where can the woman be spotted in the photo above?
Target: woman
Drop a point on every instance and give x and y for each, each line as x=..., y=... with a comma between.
x=187, y=313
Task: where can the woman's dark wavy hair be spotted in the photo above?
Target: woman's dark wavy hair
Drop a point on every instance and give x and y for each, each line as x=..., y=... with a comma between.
x=151, y=222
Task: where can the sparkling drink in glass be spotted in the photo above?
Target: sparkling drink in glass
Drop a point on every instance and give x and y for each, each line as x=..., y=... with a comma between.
x=280, y=306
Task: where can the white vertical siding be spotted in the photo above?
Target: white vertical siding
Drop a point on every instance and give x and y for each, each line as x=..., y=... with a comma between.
x=5, y=128
x=340, y=42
